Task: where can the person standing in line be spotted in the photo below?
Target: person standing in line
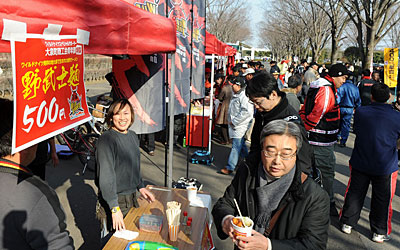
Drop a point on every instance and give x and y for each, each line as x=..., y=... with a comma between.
x=349, y=99
x=31, y=214
x=373, y=160
x=294, y=87
x=224, y=98
x=311, y=74
x=240, y=115
x=272, y=104
x=364, y=87
x=275, y=73
x=321, y=116
x=118, y=169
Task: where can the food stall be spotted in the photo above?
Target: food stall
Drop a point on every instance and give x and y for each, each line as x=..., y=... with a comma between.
x=200, y=237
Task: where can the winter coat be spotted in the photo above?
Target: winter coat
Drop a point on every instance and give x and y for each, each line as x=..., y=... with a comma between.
x=304, y=222
x=377, y=129
x=320, y=113
x=348, y=96
x=240, y=114
x=225, y=98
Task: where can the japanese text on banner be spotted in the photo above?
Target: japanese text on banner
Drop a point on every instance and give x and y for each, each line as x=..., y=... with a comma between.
x=49, y=90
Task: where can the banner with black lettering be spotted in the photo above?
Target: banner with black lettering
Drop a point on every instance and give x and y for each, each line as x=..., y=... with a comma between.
x=198, y=59
x=140, y=79
x=179, y=12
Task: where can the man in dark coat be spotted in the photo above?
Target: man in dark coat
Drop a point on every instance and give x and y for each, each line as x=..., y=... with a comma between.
x=373, y=160
x=272, y=104
x=364, y=86
x=275, y=189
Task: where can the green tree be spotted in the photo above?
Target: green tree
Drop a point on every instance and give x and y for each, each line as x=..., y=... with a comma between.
x=378, y=57
x=352, y=54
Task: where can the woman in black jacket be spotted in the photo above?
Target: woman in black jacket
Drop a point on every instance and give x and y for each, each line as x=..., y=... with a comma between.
x=276, y=184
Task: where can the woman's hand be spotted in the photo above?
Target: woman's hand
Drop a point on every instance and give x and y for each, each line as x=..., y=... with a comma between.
x=257, y=241
x=145, y=193
x=118, y=220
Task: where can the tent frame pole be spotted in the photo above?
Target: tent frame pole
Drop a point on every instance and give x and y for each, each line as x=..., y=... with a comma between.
x=211, y=104
x=171, y=121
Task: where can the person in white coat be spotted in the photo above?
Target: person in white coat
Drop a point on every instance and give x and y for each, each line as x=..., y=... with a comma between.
x=240, y=115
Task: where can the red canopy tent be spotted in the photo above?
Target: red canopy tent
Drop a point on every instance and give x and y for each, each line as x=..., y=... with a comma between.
x=115, y=26
x=215, y=46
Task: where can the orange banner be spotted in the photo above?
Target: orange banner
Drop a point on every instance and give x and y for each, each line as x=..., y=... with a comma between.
x=49, y=93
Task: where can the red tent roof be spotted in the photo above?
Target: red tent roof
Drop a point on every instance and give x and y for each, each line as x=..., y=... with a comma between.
x=115, y=27
x=215, y=46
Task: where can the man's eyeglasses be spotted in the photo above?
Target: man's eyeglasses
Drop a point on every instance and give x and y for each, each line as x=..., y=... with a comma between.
x=257, y=103
x=273, y=154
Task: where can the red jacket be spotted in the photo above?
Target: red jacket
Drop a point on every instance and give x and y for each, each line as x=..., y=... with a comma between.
x=320, y=112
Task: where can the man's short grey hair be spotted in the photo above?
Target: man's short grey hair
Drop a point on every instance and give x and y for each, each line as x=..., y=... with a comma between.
x=282, y=127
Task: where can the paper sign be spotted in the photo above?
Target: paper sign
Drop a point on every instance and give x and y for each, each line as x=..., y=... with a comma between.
x=49, y=93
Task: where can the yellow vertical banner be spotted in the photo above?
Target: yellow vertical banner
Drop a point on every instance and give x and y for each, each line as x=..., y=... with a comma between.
x=391, y=57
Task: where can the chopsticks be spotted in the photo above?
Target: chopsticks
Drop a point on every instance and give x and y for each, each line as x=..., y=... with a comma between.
x=240, y=213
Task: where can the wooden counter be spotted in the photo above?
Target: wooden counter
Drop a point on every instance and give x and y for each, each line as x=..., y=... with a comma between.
x=199, y=215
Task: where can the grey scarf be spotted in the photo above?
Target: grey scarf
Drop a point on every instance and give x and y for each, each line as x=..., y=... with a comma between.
x=269, y=196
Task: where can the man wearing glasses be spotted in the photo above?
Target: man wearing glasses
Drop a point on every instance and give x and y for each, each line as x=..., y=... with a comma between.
x=275, y=187
x=272, y=104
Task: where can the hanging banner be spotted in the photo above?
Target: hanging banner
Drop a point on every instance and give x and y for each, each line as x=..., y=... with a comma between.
x=179, y=12
x=391, y=57
x=140, y=79
x=198, y=54
x=144, y=78
x=49, y=93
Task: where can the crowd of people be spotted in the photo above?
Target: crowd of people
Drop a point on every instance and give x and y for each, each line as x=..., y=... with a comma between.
x=300, y=112
x=292, y=115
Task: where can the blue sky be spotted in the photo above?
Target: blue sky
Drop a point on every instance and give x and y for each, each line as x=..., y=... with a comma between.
x=257, y=8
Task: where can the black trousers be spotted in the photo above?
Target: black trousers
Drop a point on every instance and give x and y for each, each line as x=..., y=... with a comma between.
x=383, y=189
x=147, y=142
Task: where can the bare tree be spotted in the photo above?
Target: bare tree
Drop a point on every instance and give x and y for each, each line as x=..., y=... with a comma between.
x=338, y=21
x=394, y=33
x=378, y=21
x=228, y=20
x=285, y=37
x=313, y=21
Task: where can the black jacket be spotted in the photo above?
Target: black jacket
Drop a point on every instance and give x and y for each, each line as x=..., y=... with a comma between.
x=304, y=222
x=365, y=87
x=282, y=111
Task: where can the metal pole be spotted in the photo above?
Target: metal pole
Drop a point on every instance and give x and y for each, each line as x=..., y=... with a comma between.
x=211, y=104
x=166, y=122
x=171, y=121
x=188, y=123
x=166, y=114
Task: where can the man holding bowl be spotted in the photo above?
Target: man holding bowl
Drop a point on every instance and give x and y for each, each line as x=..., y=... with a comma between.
x=289, y=210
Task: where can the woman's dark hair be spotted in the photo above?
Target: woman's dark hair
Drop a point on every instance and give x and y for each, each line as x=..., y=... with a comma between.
x=262, y=85
x=123, y=102
x=380, y=92
x=294, y=81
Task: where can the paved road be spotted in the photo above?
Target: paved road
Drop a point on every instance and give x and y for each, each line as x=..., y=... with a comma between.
x=77, y=193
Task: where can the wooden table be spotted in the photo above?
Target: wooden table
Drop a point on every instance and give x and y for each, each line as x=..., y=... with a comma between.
x=199, y=215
